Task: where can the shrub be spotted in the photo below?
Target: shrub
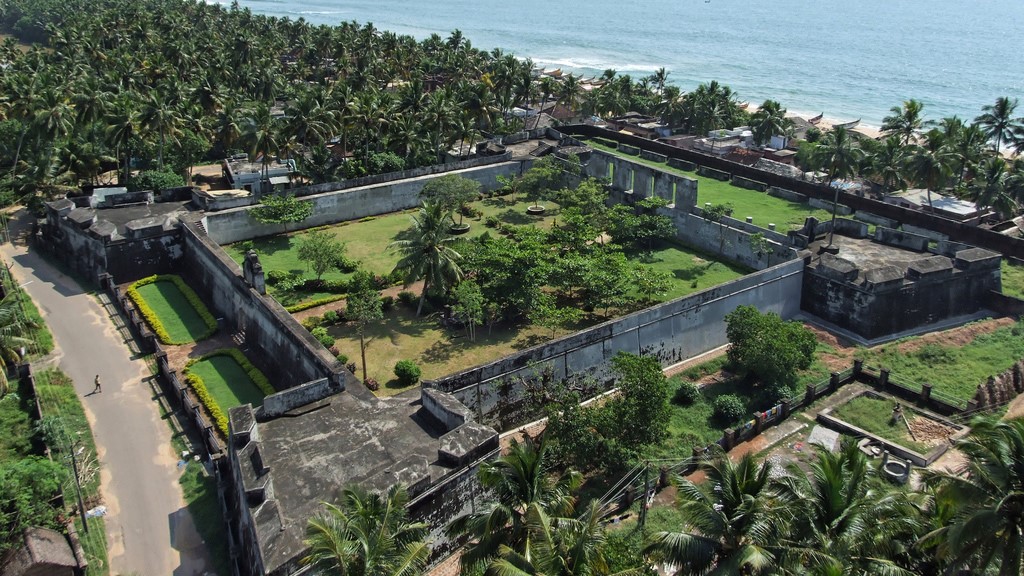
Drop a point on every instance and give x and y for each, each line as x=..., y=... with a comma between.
x=492, y=222
x=343, y=358
x=336, y=286
x=686, y=394
x=154, y=321
x=387, y=303
x=334, y=351
x=407, y=298
x=331, y=317
x=728, y=408
x=312, y=322
x=346, y=264
x=276, y=277
x=325, y=339
x=408, y=372
x=372, y=384
x=381, y=282
x=154, y=180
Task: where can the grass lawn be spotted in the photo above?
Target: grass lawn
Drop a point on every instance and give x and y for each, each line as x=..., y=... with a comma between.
x=692, y=269
x=954, y=371
x=874, y=415
x=176, y=313
x=765, y=209
x=366, y=241
x=1013, y=279
x=438, y=351
x=57, y=398
x=227, y=382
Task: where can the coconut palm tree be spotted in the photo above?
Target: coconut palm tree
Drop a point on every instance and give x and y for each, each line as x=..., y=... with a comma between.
x=368, y=534
x=987, y=497
x=262, y=134
x=14, y=329
x=770, y=120
x=989, y=188
x=559, y=547
x=888, y=162
x=839, y=156
x=157, y=115
x=905, y=121
x=429, y=253
x=527, y=496
x=844, y=517
x=732, y=522
x=998, y=122
x=931, y=164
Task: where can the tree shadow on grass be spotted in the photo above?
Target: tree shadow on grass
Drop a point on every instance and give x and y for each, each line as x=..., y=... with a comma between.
x=500, y=201
x=515, y=217
x=441, y=351
x=274, y=244
x=529, y=341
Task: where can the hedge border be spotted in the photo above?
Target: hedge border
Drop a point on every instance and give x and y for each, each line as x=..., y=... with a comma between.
x=154, y=321
x=314, y=303
x=215, y=410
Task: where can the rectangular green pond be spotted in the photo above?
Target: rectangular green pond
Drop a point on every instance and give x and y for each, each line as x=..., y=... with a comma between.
x=176, y=313
x=227, y=382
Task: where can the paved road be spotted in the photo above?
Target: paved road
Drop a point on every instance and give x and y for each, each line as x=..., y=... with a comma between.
x=149, y=530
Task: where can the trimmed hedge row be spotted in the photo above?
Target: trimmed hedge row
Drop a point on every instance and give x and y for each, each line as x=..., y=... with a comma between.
x=314, y=303
x=220, y=419
x=154, y=321
x=216, y=412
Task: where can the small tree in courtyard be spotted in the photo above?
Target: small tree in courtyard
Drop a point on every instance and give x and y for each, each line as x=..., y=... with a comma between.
x=363, y=306
x=321, y=251
x=469, y=306
x=451, y=192
x=767, y=347
x=761, y=246
x=275, y=209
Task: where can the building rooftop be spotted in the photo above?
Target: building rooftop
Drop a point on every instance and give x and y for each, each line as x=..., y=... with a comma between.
x=867, y=256
x=948, y=204
x=314, y=451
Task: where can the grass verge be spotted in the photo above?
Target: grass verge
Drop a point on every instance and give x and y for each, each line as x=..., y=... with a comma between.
x=1013, y=279
x=874, y=415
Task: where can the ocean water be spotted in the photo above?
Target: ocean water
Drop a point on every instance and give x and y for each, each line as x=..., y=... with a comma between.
x=847, y=58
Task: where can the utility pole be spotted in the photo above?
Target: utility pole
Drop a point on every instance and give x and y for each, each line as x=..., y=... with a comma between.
x=643, y=501
x=78, y=488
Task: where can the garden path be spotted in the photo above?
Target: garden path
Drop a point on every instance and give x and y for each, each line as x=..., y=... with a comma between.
x=415, y=288
x=149, y=528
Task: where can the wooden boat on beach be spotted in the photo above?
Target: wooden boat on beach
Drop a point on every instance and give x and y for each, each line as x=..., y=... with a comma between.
x=816, y=119
x=847, y=125
x=743, y=105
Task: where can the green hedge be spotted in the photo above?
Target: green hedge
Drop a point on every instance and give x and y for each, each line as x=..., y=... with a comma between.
x=154, y=321
x=220, y=419
x=314, y=303
x=216, y=412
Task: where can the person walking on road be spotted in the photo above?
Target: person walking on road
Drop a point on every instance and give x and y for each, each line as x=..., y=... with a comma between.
x=98, y=388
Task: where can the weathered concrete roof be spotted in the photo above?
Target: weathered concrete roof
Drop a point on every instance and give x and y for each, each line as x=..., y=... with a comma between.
x=867, y=254
x=354, y=439
x=157, y=211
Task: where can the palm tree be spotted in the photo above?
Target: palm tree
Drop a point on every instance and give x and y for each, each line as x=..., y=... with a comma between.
x=429, y=254
x=930, y=164
x=998, y=122
x=987, y=497
x=122, y=127
x=769, y=120
x=562, y=547
x=839, y=156
x=888, y=161
x=731, y=522
x=527, y=496
x=989, y=188
x=844, y=516
x=905, y=121
x=13, y=331
x=262, y=134
x=368, y=534
x=158, y=116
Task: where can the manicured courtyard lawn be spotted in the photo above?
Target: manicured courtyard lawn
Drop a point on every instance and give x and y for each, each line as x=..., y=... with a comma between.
x=1013, y=279
x=438, y=351
x=765, y=209
x=367, y=240
x=227, y=382
x=691, y=269
x=954, y=371
x=874, y=415
x=176, y=313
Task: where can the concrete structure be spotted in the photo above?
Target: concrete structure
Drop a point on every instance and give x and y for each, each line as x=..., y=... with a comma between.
x=945, y=206
x=242, y=174
x=322, y=430
x=896, y=282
